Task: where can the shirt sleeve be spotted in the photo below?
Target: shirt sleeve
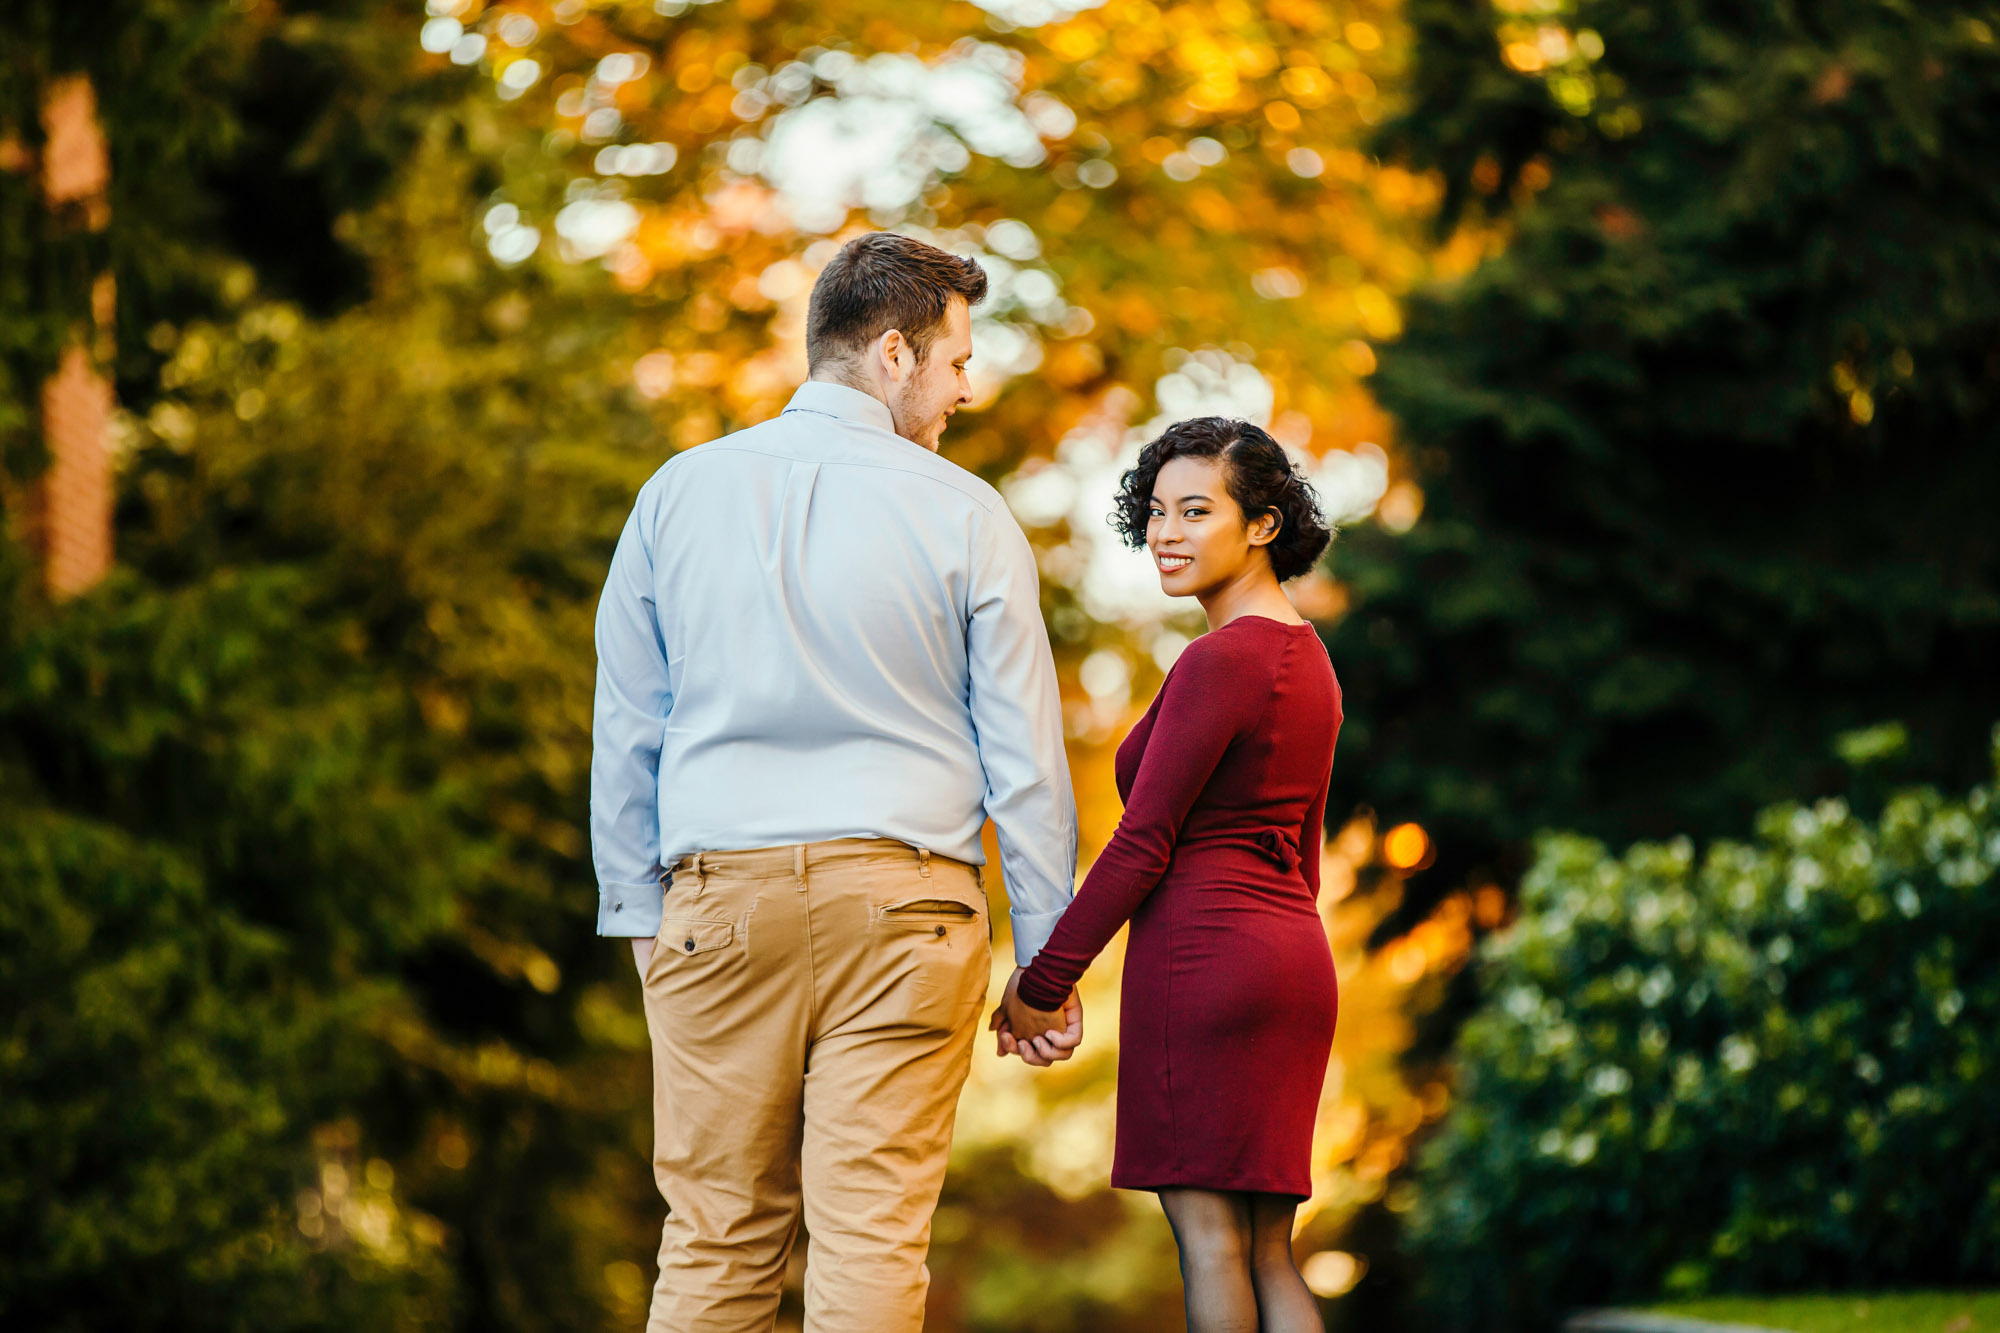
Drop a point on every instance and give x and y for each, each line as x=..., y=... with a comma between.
x=627, y=728
x=1017, y=720
x=1211, y=697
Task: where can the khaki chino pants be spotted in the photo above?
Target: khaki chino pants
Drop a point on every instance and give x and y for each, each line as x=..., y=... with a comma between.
x=812, y=1012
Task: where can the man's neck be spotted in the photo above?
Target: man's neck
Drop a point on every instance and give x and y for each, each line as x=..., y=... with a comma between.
x=847, y=380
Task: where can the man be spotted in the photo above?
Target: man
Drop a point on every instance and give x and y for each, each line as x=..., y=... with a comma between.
x=821, y=668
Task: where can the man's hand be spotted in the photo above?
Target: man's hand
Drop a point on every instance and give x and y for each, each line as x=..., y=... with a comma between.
x=1053, y=1035
x=642, y=953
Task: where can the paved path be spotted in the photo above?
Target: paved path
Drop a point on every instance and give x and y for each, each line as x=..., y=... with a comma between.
x=1640, y=1321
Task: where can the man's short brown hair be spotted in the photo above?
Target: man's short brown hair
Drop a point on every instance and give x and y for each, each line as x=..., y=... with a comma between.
x=883, y=281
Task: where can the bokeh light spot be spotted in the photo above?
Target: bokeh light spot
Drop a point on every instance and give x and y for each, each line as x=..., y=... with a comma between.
x=1332, y=1273
x=1405, y=846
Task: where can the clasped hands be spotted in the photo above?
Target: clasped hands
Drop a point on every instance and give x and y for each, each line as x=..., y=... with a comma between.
x=1040, y=1037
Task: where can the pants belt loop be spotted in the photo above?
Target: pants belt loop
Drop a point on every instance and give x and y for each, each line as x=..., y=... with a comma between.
x=924, y=862
x=700, y=874
x=799, y=864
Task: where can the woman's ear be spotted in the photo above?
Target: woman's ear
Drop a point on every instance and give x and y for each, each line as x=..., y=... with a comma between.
x=1265, y=527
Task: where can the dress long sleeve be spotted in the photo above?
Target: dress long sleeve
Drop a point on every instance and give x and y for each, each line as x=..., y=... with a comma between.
x=1211, y=697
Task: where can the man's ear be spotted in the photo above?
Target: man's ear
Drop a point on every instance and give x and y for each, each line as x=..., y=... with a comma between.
x=897, y=358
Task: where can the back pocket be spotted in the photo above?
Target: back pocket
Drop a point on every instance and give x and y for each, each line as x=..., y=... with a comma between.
x=684, y=935
x=937, y=947
x=927, y=911
x=689, y=951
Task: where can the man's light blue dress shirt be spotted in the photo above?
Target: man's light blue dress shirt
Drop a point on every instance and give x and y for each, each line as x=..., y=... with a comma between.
x=816, y=629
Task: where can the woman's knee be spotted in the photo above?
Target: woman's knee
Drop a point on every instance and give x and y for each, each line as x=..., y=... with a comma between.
x=1271, y=1237
x=1273, y=1261
x=1210, y=1231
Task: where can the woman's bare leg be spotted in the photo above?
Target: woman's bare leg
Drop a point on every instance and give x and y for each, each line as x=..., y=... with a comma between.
x=1284, y=1302
x=1212, y=1229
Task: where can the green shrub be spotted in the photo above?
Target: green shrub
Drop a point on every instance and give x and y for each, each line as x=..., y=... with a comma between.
x=152, y=1061
x=191, y=815
x=1768, y=1068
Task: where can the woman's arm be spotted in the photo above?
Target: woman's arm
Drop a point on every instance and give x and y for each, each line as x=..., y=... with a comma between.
x=1312, y=835
x=1215, y=693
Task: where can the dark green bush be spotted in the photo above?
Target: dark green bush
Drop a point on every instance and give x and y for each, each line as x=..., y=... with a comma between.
x=1770, y=1067
x=152, y=1059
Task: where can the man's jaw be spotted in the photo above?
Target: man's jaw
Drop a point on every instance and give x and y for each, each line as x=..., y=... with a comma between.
x=935, y=435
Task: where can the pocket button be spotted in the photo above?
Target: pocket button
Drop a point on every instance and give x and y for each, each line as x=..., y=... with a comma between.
x=690, y=946
x=940, y=932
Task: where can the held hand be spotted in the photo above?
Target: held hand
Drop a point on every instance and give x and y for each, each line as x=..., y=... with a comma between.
x=1025, y=1023
x=642, y=953
x=1055, y=1033
x=1061, y=1044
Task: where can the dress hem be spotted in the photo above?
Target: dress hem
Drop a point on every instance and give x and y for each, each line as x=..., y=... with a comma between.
x=1190, y=1182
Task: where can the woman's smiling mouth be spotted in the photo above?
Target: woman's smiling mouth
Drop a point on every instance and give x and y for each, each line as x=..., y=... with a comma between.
x=1173, y=564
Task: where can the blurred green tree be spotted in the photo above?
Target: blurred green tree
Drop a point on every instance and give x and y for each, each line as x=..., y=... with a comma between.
x=239, y=137
x=1707, y=444
x=299, y=1032
x=335, y=689
x=168, y=1041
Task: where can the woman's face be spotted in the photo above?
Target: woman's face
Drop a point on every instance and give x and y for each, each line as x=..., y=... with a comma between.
x=1196, y=532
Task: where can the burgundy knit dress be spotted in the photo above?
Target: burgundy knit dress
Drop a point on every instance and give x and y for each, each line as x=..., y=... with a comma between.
x=1227, y=1011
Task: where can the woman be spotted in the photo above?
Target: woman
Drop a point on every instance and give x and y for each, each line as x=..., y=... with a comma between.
x=1228, y=1002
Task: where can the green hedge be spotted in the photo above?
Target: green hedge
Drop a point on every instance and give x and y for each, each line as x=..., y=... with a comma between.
x=1766, y=1068
x=153, y=1063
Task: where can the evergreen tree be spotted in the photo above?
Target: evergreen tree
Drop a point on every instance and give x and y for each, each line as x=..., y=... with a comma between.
x=1708, y=448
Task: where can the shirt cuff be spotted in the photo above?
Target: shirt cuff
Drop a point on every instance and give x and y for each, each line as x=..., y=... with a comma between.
x=629, y=911
x=1032, y=931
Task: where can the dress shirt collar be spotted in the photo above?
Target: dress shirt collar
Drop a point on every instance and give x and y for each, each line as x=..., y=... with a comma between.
x=837, y=400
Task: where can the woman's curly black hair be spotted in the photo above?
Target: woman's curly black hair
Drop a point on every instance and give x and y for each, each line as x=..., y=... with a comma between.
x=1261, y=479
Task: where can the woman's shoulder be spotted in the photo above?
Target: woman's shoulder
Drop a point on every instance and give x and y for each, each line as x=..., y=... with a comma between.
x=1247, y=647
x=1253, y=651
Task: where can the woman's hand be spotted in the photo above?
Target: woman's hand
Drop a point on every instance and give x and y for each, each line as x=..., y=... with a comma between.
x=1040, y=1037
